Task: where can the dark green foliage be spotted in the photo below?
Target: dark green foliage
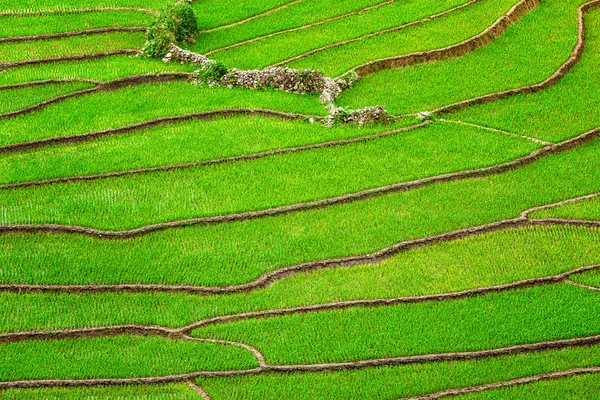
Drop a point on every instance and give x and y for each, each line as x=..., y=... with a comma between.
x=174, y=24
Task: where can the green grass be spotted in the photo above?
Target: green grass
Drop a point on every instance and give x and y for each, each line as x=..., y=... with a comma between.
x=45, y=5
x=577, y=387
x=55, y=23
x=101, y=69
x=438, y=33
x=409, y=380
x=117, y=357
x=133, y=201
x=19, y=98
x=141, y=103
x=485, y=322
x=239, y=252
x=527, y=53
x=141, y=392
x=184, y=142
x=586, y=209
x=556, y=112
x=214, y=13
x=299, y=14
x=76, y=45
x=447, y=267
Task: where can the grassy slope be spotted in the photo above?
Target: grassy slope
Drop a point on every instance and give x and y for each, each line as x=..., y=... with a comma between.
x=441, y=32
x=141, y=103
x=590, y=210
x=55, y=23
x=133, y=201
x=142, y=392
x=485, y=322
x=52, y=48
x=214, y=13
x=116, y=357
x=271, y=50
x=239, y=252
x=44, y=5
x=447, y=267
x=16, y=99
x=578, y=387
x=101, y=69
x=571, y=103
x=184, y=142
x=299, y=14
x=389, y=383
x=527, y=53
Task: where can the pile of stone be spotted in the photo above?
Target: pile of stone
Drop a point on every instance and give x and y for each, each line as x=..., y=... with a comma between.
x=364, y=116
x=178, y=54
x=289, y=80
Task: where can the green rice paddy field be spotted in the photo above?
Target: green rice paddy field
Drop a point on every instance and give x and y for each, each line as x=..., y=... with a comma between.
x=164, y=237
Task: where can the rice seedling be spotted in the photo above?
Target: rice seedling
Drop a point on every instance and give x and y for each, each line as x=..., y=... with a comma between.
x=239, y=252
x=450, y=29
x=44, y=24
x=442, y=268
x=130, y=105
x=526, y=54
x=19, y=98
x=54, y=48
x=100, y=69
x=486, y=322
x=143, y=199
x=414, y=380
x=180, y=143
x=297, y=15
x=545, y=114
x=133, y=392
x=117, y=357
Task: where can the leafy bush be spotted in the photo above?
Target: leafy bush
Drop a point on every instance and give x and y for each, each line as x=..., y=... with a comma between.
x=175, y=24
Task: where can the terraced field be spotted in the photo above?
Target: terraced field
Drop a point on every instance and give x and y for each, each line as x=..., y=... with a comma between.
x=300, y=199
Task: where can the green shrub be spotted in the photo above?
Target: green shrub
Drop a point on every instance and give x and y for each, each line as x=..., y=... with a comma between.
x=174, y=24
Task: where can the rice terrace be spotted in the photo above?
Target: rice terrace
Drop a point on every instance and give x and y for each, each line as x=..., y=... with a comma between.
x=300, y=199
